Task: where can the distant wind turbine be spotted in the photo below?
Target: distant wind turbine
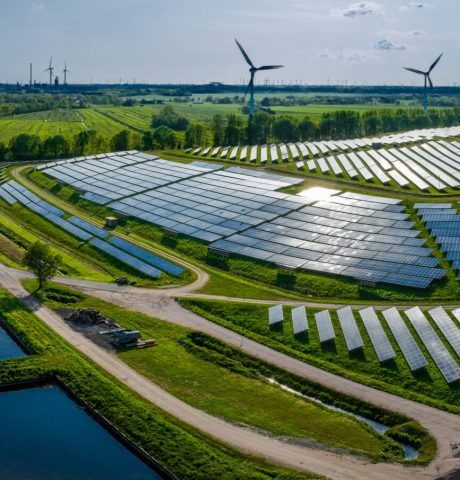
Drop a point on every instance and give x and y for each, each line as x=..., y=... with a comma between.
x=427, y=80
x=65, y=71
x=50, y=69
x=253, y=70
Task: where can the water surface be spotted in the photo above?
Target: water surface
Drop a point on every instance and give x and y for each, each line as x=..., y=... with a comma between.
x=8, y=347
x=46, y=436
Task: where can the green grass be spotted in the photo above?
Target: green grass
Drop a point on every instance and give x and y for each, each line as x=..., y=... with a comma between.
x=251, y=320
x=185, y=451
x=237, y=395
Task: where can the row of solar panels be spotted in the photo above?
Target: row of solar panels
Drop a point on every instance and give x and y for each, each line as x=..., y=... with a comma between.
x=443, y=223
x=433, y=165
x=320, y=148
x=384, y=350
x=125, y=252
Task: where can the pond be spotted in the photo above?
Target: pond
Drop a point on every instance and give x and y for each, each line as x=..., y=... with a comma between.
x=8, y=347
x=46, y=435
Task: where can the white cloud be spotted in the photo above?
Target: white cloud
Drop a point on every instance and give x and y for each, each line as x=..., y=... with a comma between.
x=385, y=44
x=414, y=6
x=358, y=10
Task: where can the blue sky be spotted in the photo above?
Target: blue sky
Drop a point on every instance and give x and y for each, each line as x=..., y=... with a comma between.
x=178, y=41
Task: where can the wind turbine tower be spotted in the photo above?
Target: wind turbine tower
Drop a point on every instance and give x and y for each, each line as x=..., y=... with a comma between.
x=65, y=71
x=253, y=70
x=50, y=69
x=427, y=80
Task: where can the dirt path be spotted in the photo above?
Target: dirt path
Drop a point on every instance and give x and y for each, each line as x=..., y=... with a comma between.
x=445, y=427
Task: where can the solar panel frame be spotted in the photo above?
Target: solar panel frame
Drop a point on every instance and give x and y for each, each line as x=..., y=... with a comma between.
x=299, y=320
x=324, y=325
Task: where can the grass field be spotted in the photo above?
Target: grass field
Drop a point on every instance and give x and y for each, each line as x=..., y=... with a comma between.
x=252, y=320
x=234, y=394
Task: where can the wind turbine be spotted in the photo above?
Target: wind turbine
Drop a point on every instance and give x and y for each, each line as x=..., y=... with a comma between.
x=50, y=69
x=65, y=71
x=253, y=71
x=427, y=80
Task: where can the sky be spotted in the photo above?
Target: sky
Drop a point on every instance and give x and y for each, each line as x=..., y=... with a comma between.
x=180, y=41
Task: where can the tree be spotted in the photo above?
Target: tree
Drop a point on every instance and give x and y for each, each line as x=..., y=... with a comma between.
x=42, y=261
x=82, y=140
x=164, y=137
x=284, y=130
x=218, y=128
x=195, y=135
x=25, y=147
x=55, y=147
x=168, y=117
x=121, y=141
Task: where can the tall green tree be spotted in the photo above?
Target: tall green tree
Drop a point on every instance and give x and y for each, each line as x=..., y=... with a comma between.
x=42, y=261
x=25, y=147
x=121, y=141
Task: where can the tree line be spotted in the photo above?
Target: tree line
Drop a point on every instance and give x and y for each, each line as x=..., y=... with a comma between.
x=264, y=128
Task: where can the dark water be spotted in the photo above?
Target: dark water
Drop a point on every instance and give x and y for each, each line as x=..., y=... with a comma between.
x=46, y=436
x=8, y=347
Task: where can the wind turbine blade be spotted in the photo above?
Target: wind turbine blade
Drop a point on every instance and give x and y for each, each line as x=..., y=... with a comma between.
x=51, y=61
x=245, y=55
x=435, y=63
x=431, y=83
x=250, y=84
x=414, y=70
x=270, y=67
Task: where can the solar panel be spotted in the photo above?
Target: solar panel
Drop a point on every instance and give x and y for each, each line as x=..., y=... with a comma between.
x=441, y=356
x=125, y=258
x=324, y=325
x=405, y=340
x=447, y=327
x=299, y=320
x=350, y=329
x=147, y=257
x=275, y=314
x=379, y=339
x=98, y=232
x=67, y=226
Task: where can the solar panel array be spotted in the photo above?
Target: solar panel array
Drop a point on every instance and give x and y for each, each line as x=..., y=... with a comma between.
x=379, y=339
x=411, y=351
x=359, y=236
x=432, y=165
x=381, y=343
x=240, y=211
x=350, y=330
x=443, y=222
x=441, y=356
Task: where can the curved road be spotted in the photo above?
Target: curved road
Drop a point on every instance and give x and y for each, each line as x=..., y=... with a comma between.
x=445, y=427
